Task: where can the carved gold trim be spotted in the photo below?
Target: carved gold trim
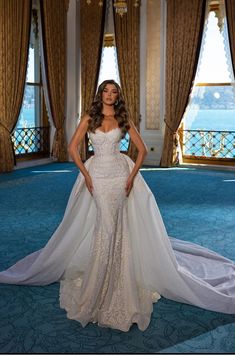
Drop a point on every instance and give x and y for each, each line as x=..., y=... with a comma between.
x=209, y=160
x=109, y=40
x=213, y=84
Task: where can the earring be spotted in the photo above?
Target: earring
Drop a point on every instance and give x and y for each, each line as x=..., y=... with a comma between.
x=116, y=102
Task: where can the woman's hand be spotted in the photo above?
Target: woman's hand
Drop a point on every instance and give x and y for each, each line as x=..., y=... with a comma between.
x=89, y=184
x=129, y=185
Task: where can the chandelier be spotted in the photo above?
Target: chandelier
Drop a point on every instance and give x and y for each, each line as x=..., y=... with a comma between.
x=119, y=5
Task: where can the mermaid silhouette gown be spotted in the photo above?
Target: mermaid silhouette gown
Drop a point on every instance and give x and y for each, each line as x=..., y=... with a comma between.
x=112, y=254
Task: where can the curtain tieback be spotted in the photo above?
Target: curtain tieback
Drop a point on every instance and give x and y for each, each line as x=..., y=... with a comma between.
x=5, y=128
x=60, y=133
x=60, y=130
x=169, y=127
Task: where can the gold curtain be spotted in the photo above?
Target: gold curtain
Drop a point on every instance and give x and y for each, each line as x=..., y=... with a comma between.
x=230, y=13
x=127, y=28
x=15, y=23
x=92, y=30
x=54, y=14
x=185, y=20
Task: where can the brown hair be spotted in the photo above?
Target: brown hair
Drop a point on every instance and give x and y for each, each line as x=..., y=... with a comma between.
x=95, y=112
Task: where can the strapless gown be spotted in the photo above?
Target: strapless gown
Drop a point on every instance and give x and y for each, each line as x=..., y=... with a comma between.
x=113, y=257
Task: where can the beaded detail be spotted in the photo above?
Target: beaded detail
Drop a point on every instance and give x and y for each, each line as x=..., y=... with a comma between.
x=108, y=292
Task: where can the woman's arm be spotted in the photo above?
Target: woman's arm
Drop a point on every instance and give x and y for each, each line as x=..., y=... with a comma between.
x=142, y=151
x=73, y=149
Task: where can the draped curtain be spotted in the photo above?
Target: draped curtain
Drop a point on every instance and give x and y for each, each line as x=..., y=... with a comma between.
x=15, y=20
x=92, y=30
x=185, y=20
x=230, y=13
x=53, y=22
x=127, y=33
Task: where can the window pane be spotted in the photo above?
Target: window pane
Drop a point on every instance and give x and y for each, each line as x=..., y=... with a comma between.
x=109, y=65
x=29, y=137
x=29, y=114
x=30, y=77
x=109, y=70
x=213, y=66
x=33, y=70
x=211, y=108
x=124, y=143
x=209, y=120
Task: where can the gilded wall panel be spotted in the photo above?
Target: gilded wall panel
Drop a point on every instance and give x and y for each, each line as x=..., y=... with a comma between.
x=153, y=31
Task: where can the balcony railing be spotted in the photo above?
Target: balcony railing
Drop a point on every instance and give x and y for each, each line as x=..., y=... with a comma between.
x=31, y=141
x=208, y=144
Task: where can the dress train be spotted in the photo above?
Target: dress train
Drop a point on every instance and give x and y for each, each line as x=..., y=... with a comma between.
x=113, y=257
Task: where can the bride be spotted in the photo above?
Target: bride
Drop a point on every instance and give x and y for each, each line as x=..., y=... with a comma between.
x=111, y=252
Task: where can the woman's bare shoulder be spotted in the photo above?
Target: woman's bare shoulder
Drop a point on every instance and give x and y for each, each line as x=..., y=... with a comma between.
x=84, y=122
x=131, y=124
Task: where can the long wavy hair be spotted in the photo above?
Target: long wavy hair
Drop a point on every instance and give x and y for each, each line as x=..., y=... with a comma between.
x=95, y=112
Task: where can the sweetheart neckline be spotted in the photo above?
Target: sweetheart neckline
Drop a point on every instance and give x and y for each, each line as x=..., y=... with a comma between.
x=105, y=132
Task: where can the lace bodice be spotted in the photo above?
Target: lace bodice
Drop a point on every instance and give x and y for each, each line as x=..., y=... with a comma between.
x=107, y=161
x=106, y=143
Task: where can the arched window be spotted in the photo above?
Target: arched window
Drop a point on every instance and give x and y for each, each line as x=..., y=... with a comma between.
x=209, y=121
x=31, y=134
x=109, y=64
x=109, y=70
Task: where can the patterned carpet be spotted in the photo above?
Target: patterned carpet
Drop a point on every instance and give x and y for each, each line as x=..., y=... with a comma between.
x=196, y=205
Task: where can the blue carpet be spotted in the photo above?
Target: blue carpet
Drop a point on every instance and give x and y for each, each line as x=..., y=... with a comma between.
x=196, y=205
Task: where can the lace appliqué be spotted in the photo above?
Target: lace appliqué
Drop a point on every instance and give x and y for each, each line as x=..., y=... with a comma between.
x=108, y=293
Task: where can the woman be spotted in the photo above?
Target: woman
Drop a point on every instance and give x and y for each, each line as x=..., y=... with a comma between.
x=111, y=252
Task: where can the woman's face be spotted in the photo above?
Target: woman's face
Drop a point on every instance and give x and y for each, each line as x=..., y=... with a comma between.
x=110, y=94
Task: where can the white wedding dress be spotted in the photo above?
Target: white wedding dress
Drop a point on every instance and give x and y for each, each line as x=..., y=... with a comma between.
x=112, y=254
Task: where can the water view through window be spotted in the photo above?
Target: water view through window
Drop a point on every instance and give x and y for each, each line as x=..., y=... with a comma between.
x=29, y=136
x=27, y=117
x=210, y=115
